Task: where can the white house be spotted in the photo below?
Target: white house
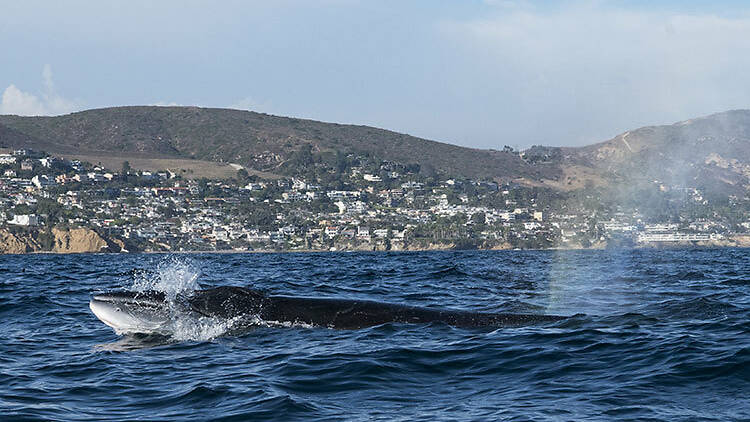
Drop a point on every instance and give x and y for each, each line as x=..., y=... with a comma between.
x=7, y=159
x=25, y=220
x=47, y=161
x=42, y=181
x=363, y=232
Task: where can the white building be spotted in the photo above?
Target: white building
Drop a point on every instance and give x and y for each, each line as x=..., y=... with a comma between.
x=380, y=232
x=255, y=186
x=42, y=181
x=298, y=184
x=47, y=161
x=7, y=159
x=363, y=231
x=676, y=237
x=25, y=220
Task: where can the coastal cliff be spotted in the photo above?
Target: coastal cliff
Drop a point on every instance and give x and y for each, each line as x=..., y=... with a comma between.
x=84, y=240
x=57, y=240
x=78, y=241
x=15, y=243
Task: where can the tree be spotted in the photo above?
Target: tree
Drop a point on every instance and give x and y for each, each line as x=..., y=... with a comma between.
x=427, y=170
x=478, y=218
x=305, y=155
x=261, y=217
x=126, y=167
x=342, y=163
x=46, y=240
x=412, y=168
x=52, y=209
x=168, y=211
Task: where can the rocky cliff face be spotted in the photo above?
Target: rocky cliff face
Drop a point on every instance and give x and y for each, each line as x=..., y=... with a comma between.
x=79, y=240
x=11, y=243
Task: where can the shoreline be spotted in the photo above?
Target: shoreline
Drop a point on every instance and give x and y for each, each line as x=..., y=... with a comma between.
x=311, y=251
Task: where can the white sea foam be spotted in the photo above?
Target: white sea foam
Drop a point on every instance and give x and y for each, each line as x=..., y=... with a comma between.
x=174, y=275
x=190, y=328
x=177, y=276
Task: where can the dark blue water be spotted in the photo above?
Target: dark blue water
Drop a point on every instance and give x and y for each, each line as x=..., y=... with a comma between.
x=666, y=336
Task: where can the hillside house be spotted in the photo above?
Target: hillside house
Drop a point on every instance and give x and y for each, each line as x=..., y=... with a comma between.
x=7, y=159
x=25, y=220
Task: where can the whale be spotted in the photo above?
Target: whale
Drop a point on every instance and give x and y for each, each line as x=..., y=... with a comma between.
x=145, y=312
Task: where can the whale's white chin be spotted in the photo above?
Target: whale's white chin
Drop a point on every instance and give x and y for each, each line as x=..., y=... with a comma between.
x=124, y=320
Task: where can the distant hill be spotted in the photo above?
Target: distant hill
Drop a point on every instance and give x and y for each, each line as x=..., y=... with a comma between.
x=708, y=152
x=711, y=152
x=247, y=138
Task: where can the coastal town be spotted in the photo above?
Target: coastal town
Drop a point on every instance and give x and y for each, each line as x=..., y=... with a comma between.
x=351, y=203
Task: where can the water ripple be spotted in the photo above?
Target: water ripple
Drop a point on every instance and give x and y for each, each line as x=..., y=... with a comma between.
x=657, y=335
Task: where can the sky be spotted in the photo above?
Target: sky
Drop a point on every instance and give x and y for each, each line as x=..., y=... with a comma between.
x=483, y=74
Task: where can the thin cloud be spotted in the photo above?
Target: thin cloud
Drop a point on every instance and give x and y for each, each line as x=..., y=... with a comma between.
x=49, y=103
x=167, y=104
x=49, y=84
x=582, y=72
x=250, y=104
x=15, y=101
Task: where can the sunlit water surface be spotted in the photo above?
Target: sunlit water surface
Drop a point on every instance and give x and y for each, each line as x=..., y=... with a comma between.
x=665, y=336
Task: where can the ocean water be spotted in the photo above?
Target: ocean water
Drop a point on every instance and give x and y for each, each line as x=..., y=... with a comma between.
x=658, y=335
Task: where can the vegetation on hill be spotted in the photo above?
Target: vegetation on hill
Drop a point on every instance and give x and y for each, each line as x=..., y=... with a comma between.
x=711, y=153
x=258, y=141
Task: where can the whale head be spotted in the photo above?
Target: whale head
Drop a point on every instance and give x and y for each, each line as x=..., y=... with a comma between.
x=153, y=312
x=129, y=312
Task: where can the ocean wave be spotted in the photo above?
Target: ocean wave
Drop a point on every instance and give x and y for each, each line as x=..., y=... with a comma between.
x=653, y=335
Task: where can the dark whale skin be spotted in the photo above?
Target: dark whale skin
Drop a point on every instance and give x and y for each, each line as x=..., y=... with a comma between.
x=230, y=301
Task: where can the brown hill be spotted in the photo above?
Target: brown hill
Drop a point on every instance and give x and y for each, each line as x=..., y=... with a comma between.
x=711, y=152
x=706, y=152
x=247, y=138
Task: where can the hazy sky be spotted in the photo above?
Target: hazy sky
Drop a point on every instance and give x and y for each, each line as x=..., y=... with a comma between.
x=475, y=73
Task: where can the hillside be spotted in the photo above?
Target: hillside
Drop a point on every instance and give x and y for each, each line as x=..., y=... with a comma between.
x=708, y=152
x=257, y=141
x=712, y=152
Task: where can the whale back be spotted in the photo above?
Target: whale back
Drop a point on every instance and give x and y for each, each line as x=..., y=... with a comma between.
x=227, y=302
x=230, y=301
x=355, y=314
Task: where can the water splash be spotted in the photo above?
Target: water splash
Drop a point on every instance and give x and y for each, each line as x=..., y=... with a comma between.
x=177, y=276
x=192, y=328
x=174, y=275
x=184, y=328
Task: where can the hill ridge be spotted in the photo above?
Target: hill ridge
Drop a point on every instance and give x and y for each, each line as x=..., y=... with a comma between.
x=677, y=153
x=228, y=135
